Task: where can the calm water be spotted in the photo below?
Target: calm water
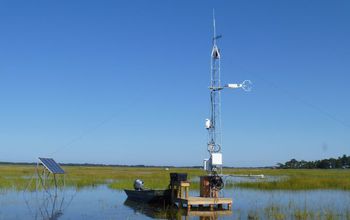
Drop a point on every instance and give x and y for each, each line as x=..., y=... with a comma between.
x=104, y=203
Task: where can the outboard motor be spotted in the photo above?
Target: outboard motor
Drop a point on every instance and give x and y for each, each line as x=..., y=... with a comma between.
x=138, y=185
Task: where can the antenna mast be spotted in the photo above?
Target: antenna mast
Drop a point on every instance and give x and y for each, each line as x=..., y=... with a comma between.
x=214, y=164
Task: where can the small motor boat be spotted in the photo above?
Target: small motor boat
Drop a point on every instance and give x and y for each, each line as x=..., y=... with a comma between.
x=141, y=194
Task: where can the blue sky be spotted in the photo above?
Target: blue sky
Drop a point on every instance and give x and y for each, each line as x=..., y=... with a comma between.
x=126, y=82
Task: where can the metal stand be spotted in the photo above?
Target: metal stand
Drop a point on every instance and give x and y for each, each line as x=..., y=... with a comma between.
x=49, y=190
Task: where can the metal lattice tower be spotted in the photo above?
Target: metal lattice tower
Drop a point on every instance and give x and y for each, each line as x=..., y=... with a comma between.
x=214, y=144
x=214, y=123
x=214, y=164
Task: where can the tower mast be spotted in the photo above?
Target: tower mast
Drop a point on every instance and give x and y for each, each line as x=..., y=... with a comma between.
x=214, y=123
x=214, y=164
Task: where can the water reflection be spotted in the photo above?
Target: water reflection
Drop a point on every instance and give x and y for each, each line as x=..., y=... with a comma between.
x=152, y=210
x=163, y=211
x=47, y=204
x=48, y=198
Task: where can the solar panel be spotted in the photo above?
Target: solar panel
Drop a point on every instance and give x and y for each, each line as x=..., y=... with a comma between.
x=51, y=165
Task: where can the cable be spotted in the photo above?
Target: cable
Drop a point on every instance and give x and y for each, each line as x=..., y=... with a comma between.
x=86, y=132
x=304, y=102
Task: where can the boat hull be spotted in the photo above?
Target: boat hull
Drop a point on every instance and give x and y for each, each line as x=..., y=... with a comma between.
x=148, y=196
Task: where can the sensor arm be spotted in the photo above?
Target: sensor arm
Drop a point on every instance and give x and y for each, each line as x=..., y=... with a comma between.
x=233, y=86
x=246, y=85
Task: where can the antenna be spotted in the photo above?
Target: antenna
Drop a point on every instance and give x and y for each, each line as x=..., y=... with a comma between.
x=214, y=25
x=214, y=164
x=215, y=37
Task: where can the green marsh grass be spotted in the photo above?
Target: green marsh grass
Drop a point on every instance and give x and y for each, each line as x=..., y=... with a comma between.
x=301, y=179
x=279, y=212
x=17, y=177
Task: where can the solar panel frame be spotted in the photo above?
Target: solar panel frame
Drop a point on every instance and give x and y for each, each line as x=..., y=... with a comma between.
x=51, y=165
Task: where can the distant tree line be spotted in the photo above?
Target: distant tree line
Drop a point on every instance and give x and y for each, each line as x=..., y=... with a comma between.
x=331, y=163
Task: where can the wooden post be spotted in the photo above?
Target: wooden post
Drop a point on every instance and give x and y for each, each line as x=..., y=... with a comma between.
x=215, y=193
x=204, y=186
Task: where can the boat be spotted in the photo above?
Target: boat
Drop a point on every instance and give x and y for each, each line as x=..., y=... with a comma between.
x=149, y=195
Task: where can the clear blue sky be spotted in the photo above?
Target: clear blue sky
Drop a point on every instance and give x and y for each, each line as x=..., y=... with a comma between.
x=126, y=82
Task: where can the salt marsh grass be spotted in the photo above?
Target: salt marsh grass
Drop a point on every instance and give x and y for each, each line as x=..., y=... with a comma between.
x=300, y=179
x=17, y=177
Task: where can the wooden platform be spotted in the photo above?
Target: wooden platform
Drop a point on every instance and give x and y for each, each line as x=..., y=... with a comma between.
x=180, y=196
x=205, y=201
